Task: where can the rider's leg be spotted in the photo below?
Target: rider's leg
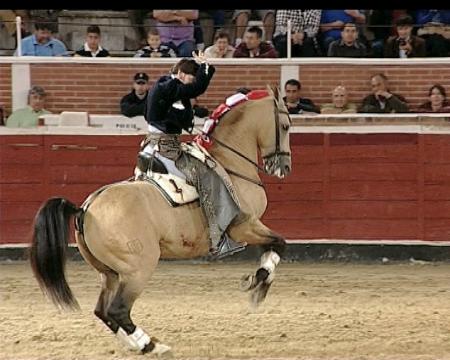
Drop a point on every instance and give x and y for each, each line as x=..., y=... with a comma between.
x=169, y=164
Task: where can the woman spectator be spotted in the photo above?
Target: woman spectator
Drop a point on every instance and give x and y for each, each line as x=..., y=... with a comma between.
x=438, y=102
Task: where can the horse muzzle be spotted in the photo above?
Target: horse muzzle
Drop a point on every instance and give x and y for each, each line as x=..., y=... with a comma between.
x=278, y=165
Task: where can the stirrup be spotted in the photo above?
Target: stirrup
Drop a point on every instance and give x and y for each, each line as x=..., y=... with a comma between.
x=227, y=246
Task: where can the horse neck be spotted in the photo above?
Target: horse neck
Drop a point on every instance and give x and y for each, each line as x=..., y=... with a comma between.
x=238, y=131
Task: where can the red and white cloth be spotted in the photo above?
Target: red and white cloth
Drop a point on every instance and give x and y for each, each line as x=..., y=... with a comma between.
x=204, y=138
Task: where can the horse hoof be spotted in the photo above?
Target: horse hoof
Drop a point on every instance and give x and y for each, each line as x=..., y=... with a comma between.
x=248, y=282
x=159, y=349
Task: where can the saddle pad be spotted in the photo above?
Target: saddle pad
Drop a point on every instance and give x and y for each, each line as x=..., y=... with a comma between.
x=174, y=189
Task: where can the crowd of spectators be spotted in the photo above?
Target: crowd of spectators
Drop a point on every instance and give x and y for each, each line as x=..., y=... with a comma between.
x=341, y=33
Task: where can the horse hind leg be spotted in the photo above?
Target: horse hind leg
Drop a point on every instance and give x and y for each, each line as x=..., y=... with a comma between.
x=132, y=336
x=110, y=284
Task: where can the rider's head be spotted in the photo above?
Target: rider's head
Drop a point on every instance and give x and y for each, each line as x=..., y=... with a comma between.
x=185, y=70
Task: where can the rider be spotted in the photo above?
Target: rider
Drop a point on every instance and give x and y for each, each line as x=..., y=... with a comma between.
x=168, y=113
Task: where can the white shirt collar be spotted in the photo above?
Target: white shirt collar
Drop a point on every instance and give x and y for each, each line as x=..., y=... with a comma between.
x=86, y=48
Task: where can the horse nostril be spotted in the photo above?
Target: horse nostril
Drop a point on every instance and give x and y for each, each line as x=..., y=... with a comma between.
x=287, y=168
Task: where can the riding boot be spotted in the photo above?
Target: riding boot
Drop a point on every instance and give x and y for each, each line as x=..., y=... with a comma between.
x=227, y=246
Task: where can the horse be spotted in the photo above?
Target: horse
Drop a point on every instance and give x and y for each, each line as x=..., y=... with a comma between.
x=129, y=226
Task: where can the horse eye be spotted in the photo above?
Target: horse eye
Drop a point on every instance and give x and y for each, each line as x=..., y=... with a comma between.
x=285, y=127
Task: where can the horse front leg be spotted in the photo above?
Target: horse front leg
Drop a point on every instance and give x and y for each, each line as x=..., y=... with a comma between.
x=254, y=232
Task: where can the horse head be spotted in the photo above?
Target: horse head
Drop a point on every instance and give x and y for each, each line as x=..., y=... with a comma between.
x=273, y=138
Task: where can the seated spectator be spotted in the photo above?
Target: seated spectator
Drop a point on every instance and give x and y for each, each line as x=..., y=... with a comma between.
x=382, y=100
x=42, y=43
x=176, y=28
x=332, y=22
x=241, y=17
x=221, y=47
x=294, y=102
x=253, y=47
x=435, y=30
x=348, y=46
x=305, y=26
x=340, y=104
x=438, y=102
x=154, y=47
x=133, y=104
x=381, y=25
x=92, y=47
x=405, y=45
x=29, y=116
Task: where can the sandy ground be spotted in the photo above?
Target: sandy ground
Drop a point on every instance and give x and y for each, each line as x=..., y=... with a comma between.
x=313, y=311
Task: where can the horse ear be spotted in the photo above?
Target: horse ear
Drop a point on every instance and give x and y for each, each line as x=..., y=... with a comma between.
x=271, y=91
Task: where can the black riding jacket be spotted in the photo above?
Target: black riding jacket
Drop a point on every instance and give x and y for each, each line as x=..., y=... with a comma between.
x=168, y=102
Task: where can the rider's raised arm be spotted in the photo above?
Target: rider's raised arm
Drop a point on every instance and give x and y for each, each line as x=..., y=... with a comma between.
x=188, y=91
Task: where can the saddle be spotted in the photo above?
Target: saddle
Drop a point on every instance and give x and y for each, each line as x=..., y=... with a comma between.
x=173, y=188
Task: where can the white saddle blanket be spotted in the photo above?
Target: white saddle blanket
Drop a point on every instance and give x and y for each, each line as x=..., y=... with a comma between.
x=174, y=188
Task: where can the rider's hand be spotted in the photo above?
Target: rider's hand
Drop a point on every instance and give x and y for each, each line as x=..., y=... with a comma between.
x=200, y=58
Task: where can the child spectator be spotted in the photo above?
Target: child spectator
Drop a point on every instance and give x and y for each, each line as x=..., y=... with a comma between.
x=221, y=47
x=155, y=48
x=92, y=47
x=438, y=102
x=253, y=47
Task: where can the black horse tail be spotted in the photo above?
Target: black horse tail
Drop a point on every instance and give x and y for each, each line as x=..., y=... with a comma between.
x=48, y=250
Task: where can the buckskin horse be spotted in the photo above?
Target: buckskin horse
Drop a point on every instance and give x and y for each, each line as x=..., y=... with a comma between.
x=129, y=226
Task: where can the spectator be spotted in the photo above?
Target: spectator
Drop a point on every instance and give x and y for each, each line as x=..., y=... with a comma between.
x=29, y=116
x=154, y=47
x=253, y=47
x=294, y=103
x=221, y=47
x=42, y=43
x=348, y=45
x=133, y=104
x=305, y=26
x=435, y=31
x=92, y=47
x=176, y=28
x=382, y=100
x=241, y=17
x=332, y=22
x=438, y=102
x=340, y=104
x=381, y=25
x=404, y=45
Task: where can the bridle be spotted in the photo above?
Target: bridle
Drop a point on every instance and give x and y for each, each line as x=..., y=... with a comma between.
x=272, y=160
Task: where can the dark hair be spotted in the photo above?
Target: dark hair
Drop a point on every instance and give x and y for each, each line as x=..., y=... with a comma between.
x=404, y=20
x=153, y=31
x=93, y=29
x=42, y=24
x=293, y=82
x=188, y=66
x=257, y=30
x=348, y=24
x=222, y=35
x=440, y=88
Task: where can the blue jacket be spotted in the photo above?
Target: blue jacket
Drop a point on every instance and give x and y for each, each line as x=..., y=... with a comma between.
x=30, y=47
x=426, y=16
